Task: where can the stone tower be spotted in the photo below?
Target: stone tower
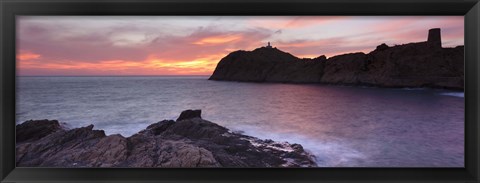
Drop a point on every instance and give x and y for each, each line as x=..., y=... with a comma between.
x=434, y=38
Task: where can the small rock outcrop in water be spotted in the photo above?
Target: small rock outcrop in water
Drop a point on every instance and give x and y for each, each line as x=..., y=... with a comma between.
x=188, y=142
x=423, y=64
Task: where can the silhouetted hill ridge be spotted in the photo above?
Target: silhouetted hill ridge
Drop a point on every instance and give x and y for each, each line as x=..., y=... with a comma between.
x=420, y=64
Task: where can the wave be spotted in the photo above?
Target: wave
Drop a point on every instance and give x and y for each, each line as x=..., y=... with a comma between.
x=454, y=94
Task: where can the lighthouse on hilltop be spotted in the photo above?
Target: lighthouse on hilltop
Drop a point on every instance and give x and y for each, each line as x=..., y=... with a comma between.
x=268, y=45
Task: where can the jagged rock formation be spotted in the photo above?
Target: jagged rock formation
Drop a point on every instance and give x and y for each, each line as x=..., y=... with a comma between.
x=188, y=142
x=423, y=64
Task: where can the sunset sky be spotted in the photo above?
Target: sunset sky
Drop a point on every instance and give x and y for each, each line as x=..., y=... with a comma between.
x=187, y=45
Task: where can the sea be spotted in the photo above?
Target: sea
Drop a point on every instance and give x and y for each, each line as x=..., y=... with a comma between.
x=343, y=126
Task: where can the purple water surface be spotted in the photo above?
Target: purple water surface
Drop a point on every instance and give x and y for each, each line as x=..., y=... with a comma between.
x=343, y=126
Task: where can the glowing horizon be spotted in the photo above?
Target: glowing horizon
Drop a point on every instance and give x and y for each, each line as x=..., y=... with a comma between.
x=169, y=45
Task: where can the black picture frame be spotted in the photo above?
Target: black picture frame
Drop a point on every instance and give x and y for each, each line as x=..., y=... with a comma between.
x=11, y=8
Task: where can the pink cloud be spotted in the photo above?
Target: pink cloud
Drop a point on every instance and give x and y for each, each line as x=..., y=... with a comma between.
x=127, y=50
x=196, y=53
x=294, y=22
x=313, y=49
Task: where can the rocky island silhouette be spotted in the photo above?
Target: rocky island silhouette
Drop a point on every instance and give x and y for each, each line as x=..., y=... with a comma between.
x=421, y=64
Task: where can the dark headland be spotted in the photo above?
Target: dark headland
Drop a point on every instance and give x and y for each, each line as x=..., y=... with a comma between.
x=422, y=64
x=190, y=141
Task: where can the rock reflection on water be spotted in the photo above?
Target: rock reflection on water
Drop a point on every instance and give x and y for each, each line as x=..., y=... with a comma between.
x=342, y=126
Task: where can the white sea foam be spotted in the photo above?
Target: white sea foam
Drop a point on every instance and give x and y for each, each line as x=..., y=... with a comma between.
x=454, y=94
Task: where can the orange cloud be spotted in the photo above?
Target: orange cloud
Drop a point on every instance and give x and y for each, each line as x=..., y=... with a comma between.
x=218, y=39
x=150, y=66
x=307, y=56
x=203, y=64
x=27, y=56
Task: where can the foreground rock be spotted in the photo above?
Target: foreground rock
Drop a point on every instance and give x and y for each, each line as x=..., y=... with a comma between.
x=188, y=142
x=423, y=64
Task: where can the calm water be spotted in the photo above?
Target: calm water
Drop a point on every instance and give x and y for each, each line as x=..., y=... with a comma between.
x=342, y=126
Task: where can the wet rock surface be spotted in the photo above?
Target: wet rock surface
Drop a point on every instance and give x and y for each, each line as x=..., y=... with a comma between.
x=34, y=130
x=188, y=114
x=187, y=142
x=422, y=64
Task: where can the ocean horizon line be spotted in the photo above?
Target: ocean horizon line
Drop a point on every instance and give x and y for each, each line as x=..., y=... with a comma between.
x=112, y=75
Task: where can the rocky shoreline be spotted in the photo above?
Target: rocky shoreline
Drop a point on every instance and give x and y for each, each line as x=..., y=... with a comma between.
x=190, y=141
x=412, y=65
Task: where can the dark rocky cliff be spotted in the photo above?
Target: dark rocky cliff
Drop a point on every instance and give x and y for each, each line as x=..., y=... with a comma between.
x=268, y=65
x=423, y=64
x=189, y=141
